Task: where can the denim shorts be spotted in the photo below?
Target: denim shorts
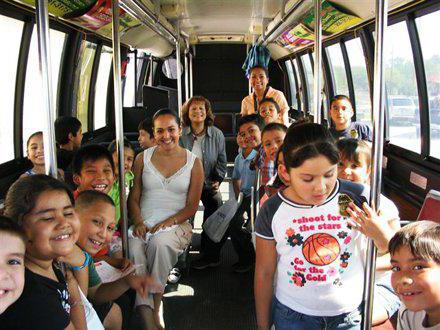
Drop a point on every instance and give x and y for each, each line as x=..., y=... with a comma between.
x=285, y=318
x=385, y=297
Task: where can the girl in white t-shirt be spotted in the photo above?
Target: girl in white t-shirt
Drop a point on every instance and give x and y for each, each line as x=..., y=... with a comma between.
x=305, y=236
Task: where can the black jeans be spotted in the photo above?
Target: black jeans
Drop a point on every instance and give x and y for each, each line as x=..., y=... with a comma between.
x=240, y=237
x=211, y=200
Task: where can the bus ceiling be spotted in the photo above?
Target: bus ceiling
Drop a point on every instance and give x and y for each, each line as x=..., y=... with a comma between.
x=153, y=25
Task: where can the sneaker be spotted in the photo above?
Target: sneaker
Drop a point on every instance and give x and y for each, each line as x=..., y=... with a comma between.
x=203, y=263
x=174, y=276
x=242, y=267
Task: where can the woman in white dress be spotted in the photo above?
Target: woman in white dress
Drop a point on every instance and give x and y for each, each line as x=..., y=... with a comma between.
x=166, y=193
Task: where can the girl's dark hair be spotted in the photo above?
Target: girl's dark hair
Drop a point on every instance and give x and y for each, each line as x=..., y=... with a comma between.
x=341, y=97
x=209, y=121
x=350, y=149
x=421, y=237
x=306, y=141
x=164, y=112
x=23, y=194
x=112, y=145
x=10, y=226
x=33, y=135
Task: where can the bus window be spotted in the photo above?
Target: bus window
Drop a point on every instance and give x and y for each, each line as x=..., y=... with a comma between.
x=307, y=65
x=101, y=88
x=34, y=116
x=401, y=87
x=427, y=27
x=299, y=90
x=87, y=57
x=129, y=88
x=337, y=68
x=10, y=35
x=360, y=80
x=292, y=84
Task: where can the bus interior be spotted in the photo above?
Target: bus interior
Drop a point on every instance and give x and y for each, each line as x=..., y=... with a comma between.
x=212, y=40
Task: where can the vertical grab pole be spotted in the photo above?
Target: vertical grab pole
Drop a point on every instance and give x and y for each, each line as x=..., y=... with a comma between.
x=376, y=161
x=191, y=93
x=186, y=76
x=119, y=125
x=179, y=77
x=42, y=18
x=317, y=77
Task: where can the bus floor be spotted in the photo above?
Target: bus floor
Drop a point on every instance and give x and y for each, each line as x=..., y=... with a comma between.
x=213, y=298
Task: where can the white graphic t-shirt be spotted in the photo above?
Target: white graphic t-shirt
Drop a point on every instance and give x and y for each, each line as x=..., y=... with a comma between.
x=320, y=268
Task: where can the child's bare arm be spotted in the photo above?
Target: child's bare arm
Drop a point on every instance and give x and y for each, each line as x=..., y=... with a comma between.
x=236, y=185
x=263, y=286
x=77, y=315
x=76, y=259
x=105, y=292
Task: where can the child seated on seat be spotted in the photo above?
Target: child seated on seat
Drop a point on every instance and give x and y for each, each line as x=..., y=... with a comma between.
x=341, y=111
x=354, y=165
x=415, y=258
x=272, y=138
x=146, y=135
x=270, y=111
x=96, y=212
x=13, y=246
x=35, y=153
x=43, y=208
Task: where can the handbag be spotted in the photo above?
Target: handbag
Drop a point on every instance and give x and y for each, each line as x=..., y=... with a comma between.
x=217, y=223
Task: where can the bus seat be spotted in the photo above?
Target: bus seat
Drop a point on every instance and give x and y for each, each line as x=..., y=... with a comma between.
x=225, y=122
x=132, y=117
x=430, y=207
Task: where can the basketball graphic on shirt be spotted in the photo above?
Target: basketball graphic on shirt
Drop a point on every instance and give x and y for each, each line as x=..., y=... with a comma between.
x=321, y=249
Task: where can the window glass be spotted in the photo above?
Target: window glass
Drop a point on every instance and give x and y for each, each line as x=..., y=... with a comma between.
x=305, y=59
x=87, y=56
x=428, y=27
x=360, y=80
x=337, y=68
x=10, y=35
x=34, y=116
x=129, y=87
x=102, y=80
x=292, y=84
x=401, y=89
x=299, y=95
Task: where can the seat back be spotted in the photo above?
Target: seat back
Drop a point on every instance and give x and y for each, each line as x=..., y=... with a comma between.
x=431, y=207
x=225, y=123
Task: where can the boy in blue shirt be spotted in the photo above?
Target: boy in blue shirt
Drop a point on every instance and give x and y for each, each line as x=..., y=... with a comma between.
x=243, y=178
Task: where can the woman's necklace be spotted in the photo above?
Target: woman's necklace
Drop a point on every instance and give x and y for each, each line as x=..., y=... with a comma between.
x=197, y=134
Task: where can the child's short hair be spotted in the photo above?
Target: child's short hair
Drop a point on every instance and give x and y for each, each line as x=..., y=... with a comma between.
x=421, y=237
x=308, y=140
x=32, y=136
x=274, y=127
x=164, y=112
x=64, y=126
x=91, y=152
x=147, y=126
x=23, y=194
x=254, y=118
x=9, y=226
x=209, y=121
x=87, y=198
x=351, y=149
x=112, y=146
x=270, y=100
x=340, y=97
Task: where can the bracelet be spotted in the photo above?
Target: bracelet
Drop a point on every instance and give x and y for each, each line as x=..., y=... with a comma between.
x=86, y=262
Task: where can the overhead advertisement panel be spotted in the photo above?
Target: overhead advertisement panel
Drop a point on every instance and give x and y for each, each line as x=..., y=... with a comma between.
x=333, y=19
